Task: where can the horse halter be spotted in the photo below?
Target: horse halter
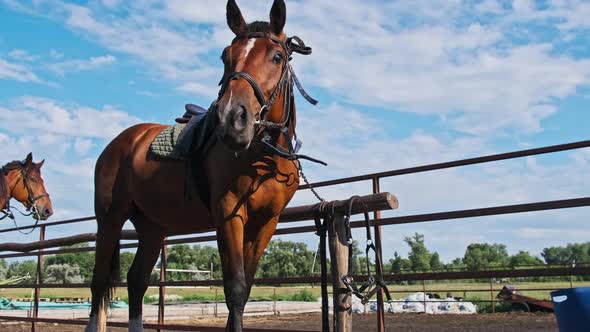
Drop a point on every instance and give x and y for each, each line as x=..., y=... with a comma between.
x=288, y=78
x=291, y=45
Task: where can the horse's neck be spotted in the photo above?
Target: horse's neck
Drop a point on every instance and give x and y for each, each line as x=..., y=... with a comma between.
x=4, y=190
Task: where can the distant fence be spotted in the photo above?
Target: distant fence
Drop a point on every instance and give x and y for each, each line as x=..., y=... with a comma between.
x=376, y=222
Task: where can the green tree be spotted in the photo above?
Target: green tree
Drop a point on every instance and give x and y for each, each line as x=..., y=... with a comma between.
x=125, y=261
x=456, y=265
x=435, y=263
x=21, y=269
x=524, y=258
x=180, y=257
x=84, y=260
x=398, y=264
x=483, y=255
x=419, y=255
x=572, y=253
x=3, y=269
x=285, y=259
x=184, y=257
x=62, y=274
x=204, y=257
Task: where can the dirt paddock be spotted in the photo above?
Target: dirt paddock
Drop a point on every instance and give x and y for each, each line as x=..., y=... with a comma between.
x=401, y=322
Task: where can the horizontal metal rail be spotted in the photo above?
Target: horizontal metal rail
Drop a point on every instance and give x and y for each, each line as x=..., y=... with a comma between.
x=171, y=327
x=451, y=164
x=545, y=272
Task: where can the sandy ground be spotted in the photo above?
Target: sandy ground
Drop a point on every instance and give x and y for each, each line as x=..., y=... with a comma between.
x=402, y=322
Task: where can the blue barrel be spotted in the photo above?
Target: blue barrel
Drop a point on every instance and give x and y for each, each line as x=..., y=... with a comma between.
x=572, y=309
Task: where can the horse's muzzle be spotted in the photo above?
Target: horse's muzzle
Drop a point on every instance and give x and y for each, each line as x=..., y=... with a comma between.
x=236, y=127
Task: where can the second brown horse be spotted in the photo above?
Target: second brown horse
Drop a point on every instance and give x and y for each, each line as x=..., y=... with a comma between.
x=248, y=186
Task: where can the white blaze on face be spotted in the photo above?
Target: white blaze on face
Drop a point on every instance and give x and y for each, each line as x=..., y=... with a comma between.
x=247, y=49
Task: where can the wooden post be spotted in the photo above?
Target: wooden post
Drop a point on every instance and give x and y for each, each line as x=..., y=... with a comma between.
x=337, y=238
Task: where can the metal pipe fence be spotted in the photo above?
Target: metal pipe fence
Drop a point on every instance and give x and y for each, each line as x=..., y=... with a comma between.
x=377, y=223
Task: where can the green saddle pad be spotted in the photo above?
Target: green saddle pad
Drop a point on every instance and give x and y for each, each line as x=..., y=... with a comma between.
x=165, y=144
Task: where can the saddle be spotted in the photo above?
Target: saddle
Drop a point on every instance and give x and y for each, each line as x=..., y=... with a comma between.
x=191, y=111
x=189, y=141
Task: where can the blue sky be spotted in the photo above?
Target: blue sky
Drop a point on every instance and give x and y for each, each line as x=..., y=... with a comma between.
x=400, y=83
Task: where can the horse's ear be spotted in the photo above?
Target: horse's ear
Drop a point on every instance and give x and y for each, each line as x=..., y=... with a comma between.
x=278, y=16
x=40, y=164
x=235, y=21
x=29, y=160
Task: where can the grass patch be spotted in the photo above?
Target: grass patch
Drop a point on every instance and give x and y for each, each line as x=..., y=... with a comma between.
x=303, y=295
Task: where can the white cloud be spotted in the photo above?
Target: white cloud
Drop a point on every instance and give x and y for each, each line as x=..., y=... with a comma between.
x=199, y=89
x=91, y=63
x=17, y=72
x=55, y=54
x=50, y=116
x=82, y=146
x=22, y=55
x=436, y=57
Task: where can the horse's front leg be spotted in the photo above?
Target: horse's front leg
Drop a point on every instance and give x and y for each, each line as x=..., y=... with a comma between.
x=230, y=239
x=257, y=235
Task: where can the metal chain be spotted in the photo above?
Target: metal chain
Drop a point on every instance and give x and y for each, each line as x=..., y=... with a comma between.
x=315, y=193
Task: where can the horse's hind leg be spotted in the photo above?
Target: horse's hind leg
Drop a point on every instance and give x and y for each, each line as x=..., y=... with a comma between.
x=105, y=266
x=138, y=277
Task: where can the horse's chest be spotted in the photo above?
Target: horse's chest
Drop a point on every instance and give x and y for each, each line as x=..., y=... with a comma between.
x=270, y=192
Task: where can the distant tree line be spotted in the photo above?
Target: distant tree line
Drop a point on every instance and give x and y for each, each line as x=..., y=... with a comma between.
x=291, y=259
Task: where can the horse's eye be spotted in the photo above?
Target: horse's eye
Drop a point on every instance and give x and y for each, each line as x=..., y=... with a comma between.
x=278, y=58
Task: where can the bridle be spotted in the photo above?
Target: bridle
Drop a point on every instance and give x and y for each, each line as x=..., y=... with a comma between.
x=285, y=84
x=31, y=198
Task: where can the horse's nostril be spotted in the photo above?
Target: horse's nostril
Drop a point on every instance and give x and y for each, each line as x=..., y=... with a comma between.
x=243, y=113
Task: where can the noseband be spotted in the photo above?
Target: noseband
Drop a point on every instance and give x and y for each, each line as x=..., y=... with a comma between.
x=288, y=79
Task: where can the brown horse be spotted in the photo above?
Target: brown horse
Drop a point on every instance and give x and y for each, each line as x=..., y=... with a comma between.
x=251, y=173
x=22, y=181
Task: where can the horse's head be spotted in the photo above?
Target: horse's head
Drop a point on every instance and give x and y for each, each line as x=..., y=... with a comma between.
x=255, y=64
x=28, y=187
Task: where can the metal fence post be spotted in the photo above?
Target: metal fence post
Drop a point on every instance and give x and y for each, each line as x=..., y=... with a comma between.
x=274, y=300
x=492, y=295
x=378, y=265
x=38, y=281
x=215, y=310
x=162, y=286
x=424, y=291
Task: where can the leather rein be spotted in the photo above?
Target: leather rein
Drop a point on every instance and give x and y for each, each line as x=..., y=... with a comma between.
x=285, y=84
